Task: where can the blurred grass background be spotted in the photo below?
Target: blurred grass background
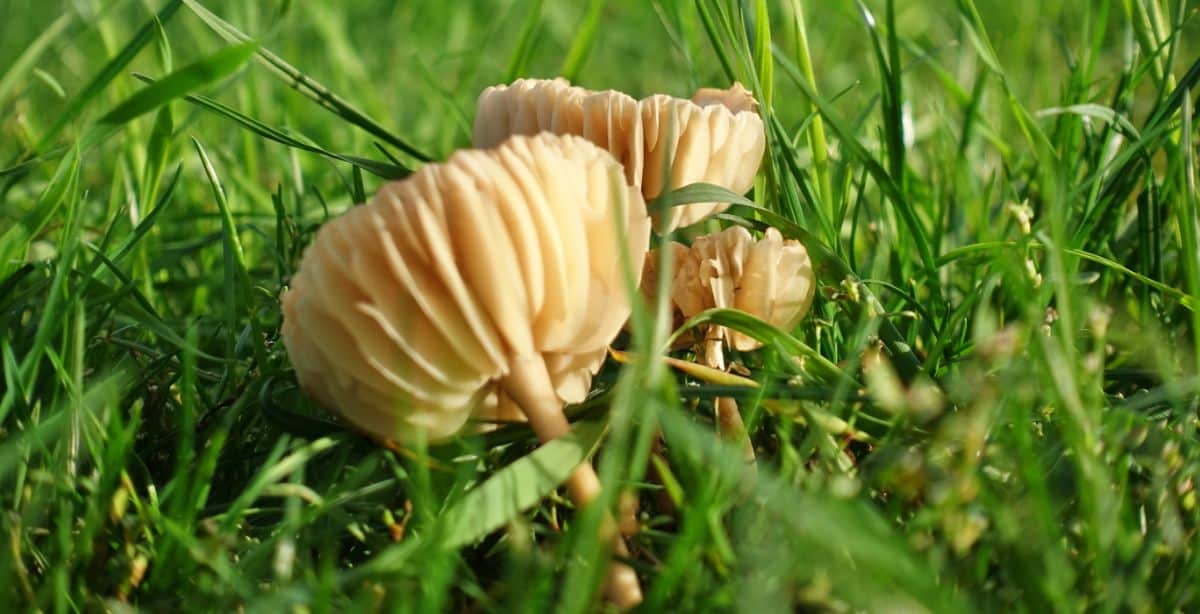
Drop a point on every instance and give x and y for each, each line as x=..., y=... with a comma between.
x=155, y=455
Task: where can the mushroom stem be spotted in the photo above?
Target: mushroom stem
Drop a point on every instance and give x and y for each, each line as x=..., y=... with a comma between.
x=729, y=419
x=529, y=384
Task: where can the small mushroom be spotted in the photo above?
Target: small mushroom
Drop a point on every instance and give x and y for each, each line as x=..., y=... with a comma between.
x=716, y=137
x=771, y=279
x=491, y=281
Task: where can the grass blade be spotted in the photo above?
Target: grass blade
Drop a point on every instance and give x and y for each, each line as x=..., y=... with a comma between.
x=380, y=169
x=59, y=299
x=181, y=82
x=144, y=35
x=816, y=128
x=518, y=62
x=239, y=289
x=886, y=182
x=581, y=46
x=302, y=83
x=766, y=334
x=31, y=54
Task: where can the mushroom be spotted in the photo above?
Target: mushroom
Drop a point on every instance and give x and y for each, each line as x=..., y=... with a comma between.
x=771, y=279
x=716, y=137
x=491, y=281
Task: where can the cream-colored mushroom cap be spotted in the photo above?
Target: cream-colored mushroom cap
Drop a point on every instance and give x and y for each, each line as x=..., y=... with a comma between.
x=716, y=137
x=771, y=279
x=407, y=313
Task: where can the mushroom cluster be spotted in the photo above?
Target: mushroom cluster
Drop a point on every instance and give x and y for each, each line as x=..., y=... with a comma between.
x=491, y=285
x=770, y=278
x=716, y=137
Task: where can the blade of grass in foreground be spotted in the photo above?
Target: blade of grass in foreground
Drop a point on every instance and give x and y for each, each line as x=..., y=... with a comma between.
x=519, y=486
x=714, y=38
x=853, y=540
x=158, y=151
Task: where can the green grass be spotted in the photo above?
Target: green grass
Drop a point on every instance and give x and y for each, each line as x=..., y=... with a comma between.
x=999, y=195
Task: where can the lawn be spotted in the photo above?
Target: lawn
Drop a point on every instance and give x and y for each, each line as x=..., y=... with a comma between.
x=993, y=404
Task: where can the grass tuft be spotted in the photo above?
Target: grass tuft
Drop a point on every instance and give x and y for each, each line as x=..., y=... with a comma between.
x=993, y=405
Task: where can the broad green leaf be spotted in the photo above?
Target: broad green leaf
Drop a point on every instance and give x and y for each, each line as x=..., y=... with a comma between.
x=518, y=486
x=699, y=193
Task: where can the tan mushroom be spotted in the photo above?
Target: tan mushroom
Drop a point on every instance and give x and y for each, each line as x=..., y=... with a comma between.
x=494, y=278
x=771, y=279
x=716, y=137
